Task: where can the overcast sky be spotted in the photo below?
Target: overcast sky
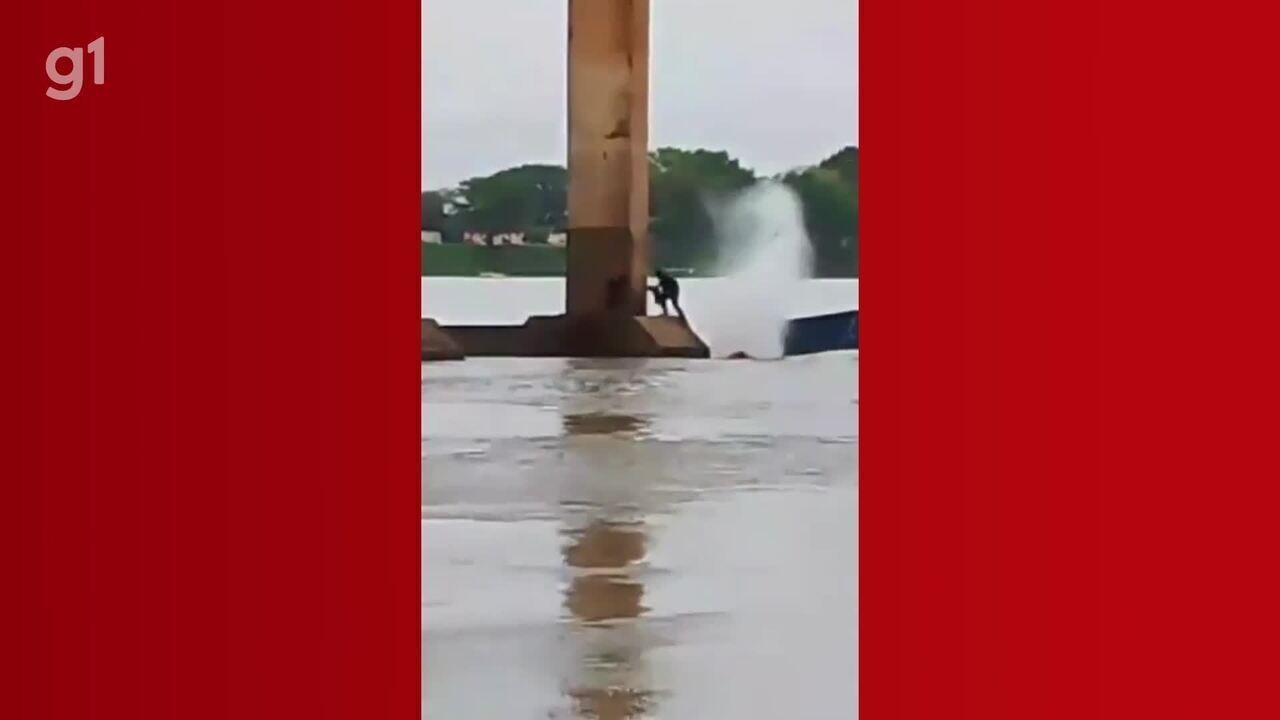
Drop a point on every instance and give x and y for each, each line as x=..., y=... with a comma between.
x=773, y=82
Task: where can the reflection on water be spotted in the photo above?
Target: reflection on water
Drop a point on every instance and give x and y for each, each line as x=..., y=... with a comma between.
x=605, y=547
x=639, y=539
x=602, y=424
x=603, y=595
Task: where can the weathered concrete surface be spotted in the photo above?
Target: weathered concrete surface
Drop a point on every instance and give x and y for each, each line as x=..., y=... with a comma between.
x=598, y=272
x=674, y=335
x=608, y=97
x=437, y=344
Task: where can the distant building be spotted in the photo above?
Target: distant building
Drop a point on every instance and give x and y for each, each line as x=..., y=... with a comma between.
x=508, y=238
x=454, y=205
x=432, y=236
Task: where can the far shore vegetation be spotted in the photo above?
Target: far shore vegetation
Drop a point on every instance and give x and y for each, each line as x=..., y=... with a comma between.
x=513, y=222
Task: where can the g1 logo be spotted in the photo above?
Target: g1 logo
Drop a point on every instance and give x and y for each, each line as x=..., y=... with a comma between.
x=66, y=85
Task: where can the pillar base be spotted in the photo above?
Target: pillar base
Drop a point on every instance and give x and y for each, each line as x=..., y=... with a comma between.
x=581, y=336
x=438, y=344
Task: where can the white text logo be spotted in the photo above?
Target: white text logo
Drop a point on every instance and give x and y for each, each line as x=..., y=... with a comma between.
x=66, y=85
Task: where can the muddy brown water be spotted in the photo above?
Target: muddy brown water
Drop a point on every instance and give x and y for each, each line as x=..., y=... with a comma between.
x=640, y=538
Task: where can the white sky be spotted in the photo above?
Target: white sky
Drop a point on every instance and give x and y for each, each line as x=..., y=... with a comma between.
x=773, y=82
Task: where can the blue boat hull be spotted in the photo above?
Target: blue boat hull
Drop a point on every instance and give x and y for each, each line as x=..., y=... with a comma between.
x=821, y=333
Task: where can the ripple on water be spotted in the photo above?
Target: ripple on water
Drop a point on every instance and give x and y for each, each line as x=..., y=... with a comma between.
x=600, y=540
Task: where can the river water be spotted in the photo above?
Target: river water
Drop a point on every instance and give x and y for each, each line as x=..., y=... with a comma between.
x=637, y=538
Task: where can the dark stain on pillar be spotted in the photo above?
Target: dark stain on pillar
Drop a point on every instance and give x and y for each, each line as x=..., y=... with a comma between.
x=621, y=130
x=616, y=293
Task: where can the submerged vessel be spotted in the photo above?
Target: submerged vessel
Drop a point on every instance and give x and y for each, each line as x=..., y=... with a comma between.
x=821, y=333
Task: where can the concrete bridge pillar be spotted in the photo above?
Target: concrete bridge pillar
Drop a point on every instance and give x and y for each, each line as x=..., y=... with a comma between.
x=608, y=253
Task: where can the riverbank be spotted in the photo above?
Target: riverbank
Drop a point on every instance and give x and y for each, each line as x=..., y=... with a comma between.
x=457, y=260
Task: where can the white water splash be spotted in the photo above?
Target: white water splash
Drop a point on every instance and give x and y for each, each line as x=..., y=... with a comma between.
x=765, y=256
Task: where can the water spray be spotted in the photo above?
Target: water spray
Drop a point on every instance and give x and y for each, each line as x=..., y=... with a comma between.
x=765, y=255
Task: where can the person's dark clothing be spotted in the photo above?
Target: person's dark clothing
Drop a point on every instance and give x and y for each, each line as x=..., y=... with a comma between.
x=667, y=290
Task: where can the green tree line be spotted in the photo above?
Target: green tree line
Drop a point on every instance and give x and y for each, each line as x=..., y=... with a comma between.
x=533, y=199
